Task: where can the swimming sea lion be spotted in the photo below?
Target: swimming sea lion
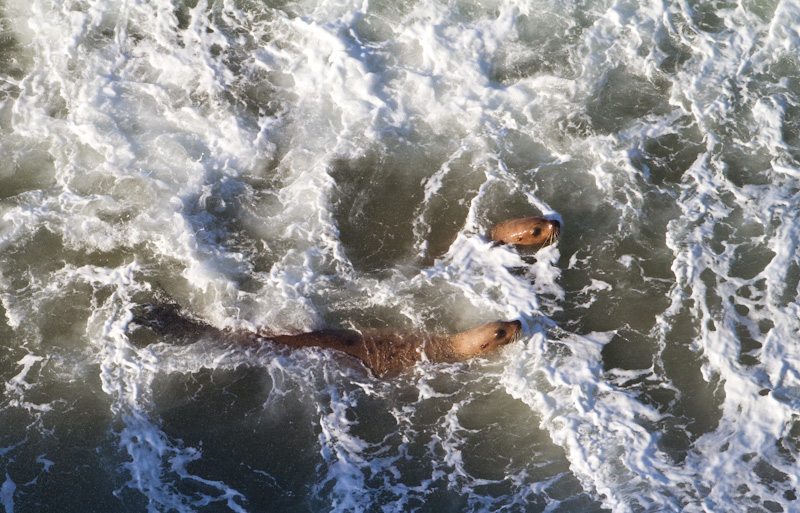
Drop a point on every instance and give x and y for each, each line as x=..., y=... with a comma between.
x=527, y=231
x=389, y=353
x=382, y=352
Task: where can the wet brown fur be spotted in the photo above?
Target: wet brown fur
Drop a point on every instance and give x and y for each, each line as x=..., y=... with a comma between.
x=389, y=353
x=383, y=353
x=527, y=231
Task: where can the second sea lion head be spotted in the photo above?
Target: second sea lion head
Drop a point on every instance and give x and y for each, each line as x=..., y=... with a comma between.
x=485, y=338
x=527, y=231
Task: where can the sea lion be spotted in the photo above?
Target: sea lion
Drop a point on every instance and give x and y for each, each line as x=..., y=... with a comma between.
x=389, y=353
x=527, y=231
x=381, y=352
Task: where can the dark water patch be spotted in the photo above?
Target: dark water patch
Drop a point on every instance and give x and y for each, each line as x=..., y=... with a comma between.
x=259, y=439
x=672, y=52
x=499, y=444
x=749, y=344
x=56, y=456
x=522, y=155
x=647, y=242
x=749, y=261
x=764, y=10
x=24, y=266
x=15, y=58
x=790, y=127
x=15, y=62
x=791, y=284
x=374, y=209
x=722, y=234
x=578, y=502
x=667, y=157
x=628, y=350
x=624, y=97
x=708, y=16
x=469, y=12
x=80, y=487
x=444, y=214
x=183, y=12
x=699, y=400
x=789, y=445
x=54, y=306
x=744, y=167
x=769, y=474
x=605, y=291
x=588, y=220
x=628, y=303
x=217, y=411
x=379, y=201
x=675, y=441
x=712, y=298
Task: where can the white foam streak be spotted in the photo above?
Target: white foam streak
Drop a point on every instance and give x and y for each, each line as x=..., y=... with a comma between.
x=757, y=407
x=599, y=425
x=16, y=387
x=342, y=452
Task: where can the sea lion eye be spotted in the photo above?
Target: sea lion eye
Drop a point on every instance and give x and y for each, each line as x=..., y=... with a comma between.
x=501, y=333
x=537, y=231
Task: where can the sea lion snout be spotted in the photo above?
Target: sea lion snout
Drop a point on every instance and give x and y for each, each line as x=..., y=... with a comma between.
x=508, y=334
x=527, y=231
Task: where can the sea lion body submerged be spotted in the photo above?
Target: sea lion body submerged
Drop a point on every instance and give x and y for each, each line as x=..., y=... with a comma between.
x=389, y=353
x=382, y=352
x=527, y=231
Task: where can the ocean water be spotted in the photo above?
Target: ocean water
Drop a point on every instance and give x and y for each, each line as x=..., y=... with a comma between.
x=294, y=165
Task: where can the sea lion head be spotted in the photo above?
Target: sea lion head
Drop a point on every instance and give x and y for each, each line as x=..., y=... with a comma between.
x=484, y=338
x=527, y=231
